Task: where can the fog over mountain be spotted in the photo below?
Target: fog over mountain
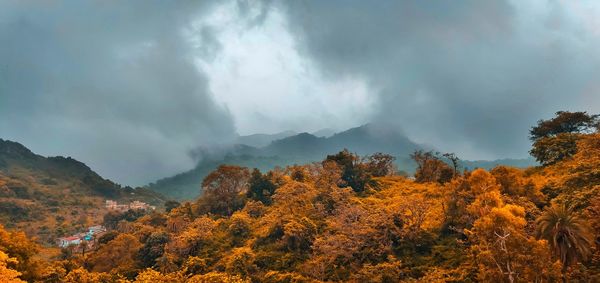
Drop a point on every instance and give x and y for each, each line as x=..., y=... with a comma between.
x=135, y=88
x=305, y=148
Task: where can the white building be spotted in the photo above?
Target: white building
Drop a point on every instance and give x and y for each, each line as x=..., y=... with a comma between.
x=69, y=241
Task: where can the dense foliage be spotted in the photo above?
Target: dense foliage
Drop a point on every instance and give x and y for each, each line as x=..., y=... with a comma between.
x=351, y=219
x=556, y=139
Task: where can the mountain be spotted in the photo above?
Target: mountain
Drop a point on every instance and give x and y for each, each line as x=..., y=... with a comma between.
x=363, y=140
x=261, y=140
x=304, y=148
x=51, y=196
x=295, y=149
x=324, y=133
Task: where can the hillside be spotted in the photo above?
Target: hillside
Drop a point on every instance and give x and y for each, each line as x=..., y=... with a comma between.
x=477, y=226
x=305, y=148
x=52, y=196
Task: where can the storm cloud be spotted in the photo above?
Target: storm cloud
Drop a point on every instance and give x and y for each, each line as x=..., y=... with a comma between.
x=465, y=76
x=133, y=87
x=111, y=83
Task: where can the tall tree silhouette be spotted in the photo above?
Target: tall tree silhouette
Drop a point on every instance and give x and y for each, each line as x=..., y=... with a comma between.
x=567, y=234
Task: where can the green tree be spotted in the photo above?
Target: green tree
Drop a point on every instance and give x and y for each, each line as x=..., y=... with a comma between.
x=556, y=139
x=549, y=150
x=153, y=248
x=355, y=174
x=260, y=188
x=564, y=122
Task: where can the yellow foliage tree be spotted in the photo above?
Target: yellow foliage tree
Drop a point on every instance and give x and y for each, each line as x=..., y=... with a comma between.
x=117, y=255
x=503, y=252
x=220, y=277
x=7, y=274
x=153, y=276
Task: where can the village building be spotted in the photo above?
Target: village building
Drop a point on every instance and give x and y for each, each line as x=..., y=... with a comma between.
x=113, y=205
x=64, y=242
x=96, y=229
x=140, y=205
x=135, y=205
x=89, y=236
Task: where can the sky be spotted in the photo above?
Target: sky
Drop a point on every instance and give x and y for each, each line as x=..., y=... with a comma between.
x=131, y=88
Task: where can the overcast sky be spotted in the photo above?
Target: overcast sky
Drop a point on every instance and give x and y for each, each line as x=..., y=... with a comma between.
x=131, y=87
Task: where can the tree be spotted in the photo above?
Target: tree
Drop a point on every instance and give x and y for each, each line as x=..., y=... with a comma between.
x=7, y=274
x=578, y=178
x=153, y=276
x=454, y=160
x=170, y=205
x=23, y=250
x=556, y=139
x=299, y=234
x=215, y=276
x=356, y=235
x=430, y=168
x=80, y=275
x=117, y=255
x=468, y=197
x=240, y=227
x=153, y=248
x=224, y=188
x=388, y=271
x=567, y=234
x=355, y=173
x=240, y=261
x=564, y=122
x=358, y=172
x=550, y=150
x=593, y=214
x=83, y=247
x=193, y=239
x=380, y=164
x=260, y=188
x=503, y=251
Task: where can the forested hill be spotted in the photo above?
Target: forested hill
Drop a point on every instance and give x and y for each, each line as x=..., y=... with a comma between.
x=305, y=148
x=352, y=218
x=50, y=196
x=297, y=149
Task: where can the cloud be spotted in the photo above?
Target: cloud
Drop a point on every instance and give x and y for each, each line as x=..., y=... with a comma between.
x=133, y=88
x=110, y=83
x=267, y=85
x=466, y=76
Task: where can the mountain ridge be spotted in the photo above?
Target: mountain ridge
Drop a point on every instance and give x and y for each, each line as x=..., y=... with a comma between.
x=49, y=197
x=304, y=148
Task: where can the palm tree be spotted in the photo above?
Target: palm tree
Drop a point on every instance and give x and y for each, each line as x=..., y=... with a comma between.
x=567, y=234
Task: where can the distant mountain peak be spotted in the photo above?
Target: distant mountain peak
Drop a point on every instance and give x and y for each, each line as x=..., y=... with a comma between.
x=14, y=150
x=261, y=140
x=324, y=133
